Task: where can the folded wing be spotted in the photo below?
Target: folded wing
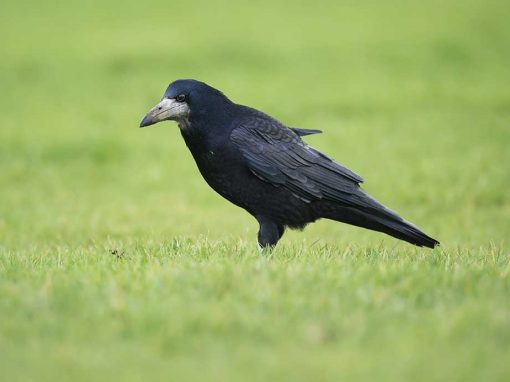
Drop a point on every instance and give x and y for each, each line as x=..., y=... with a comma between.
x=277, y=155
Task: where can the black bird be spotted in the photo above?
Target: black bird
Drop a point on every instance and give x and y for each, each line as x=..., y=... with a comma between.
x=263, y=166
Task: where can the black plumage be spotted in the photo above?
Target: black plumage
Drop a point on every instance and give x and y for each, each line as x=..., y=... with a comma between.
x=263, y=166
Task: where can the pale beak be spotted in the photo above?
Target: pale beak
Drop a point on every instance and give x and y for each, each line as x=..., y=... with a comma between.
x=167, y=109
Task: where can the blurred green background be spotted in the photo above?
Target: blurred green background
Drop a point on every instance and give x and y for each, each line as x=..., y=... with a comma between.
x=412, y=95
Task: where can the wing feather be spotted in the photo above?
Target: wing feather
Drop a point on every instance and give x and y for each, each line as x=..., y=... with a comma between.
x=276, y=154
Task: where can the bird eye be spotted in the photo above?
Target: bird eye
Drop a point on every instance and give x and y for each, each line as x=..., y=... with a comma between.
x=180, y=98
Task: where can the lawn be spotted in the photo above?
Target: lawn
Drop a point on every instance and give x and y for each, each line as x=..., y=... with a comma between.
x=117, y=262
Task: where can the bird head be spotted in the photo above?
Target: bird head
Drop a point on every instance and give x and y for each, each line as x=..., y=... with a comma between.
x=182, y=99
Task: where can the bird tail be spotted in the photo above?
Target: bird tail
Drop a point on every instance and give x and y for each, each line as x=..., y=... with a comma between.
x=373, y=215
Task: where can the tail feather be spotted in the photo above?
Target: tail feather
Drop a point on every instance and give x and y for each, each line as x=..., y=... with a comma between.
x=374, y=216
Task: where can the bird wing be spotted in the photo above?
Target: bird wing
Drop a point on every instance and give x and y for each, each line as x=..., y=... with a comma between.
x=277, y=155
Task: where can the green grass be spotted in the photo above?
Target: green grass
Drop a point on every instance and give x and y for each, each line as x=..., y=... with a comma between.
x=118, y=262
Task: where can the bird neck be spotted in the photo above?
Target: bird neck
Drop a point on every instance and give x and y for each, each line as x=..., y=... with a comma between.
x=207, y=129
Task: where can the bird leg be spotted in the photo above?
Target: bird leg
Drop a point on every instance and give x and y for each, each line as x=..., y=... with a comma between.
x=269, y=233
